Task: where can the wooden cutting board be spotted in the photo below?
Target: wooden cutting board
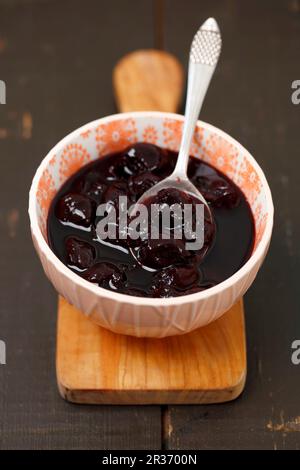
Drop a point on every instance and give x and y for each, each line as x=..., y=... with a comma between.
x=95, y=365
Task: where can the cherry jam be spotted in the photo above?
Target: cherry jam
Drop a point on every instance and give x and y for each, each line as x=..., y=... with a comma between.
x=148, y=268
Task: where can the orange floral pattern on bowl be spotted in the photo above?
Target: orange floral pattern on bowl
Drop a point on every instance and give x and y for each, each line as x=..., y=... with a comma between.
x=197, y=142
x=45, y=192
x=73, y=157
x=172, y=132
x=150, y=135
x=260, y=218
x=221, y=154
x=115, y=135
x=249, y=180
x=85, y=134
x=261, y=225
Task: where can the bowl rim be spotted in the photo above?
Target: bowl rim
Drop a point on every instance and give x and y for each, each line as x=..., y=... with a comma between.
x=94, y=289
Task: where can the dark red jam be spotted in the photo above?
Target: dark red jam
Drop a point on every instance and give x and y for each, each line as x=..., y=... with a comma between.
x=149, y=267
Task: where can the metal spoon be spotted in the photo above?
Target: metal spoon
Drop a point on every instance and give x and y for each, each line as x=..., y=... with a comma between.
x=204, y=55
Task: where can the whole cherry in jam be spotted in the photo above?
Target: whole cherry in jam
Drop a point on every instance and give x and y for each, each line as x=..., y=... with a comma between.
x=105, y=275
x=75, y=209
x=80, y=254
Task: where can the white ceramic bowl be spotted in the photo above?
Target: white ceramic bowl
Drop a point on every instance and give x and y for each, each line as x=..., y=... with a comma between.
x=135, y=315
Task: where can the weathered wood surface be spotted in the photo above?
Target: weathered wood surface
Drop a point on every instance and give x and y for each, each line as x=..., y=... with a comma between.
x=250, y=97
x=56, y=58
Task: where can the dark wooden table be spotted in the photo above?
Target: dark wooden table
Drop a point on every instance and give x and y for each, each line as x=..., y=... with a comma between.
x=56, y=57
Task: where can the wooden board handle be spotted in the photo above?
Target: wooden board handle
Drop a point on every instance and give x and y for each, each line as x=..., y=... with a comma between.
x=148, y=80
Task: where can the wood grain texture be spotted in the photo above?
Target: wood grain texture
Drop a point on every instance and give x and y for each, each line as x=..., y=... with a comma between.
x=250, y=98
x=57, y=66
x=148, y=80
x=95, y=365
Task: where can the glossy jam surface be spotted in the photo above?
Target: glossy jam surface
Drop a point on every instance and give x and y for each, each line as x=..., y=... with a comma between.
x=123, y=265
